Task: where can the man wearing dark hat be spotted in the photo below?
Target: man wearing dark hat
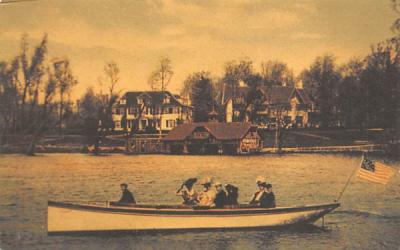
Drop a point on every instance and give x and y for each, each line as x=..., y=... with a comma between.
x=220, y=195
x=189, y=195
x=127, y=196
x=232, y=195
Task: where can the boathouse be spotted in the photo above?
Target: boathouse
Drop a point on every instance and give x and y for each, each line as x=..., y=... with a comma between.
x=213, y=138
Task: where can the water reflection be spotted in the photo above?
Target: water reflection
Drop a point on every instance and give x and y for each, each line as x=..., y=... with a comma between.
x=369, y=216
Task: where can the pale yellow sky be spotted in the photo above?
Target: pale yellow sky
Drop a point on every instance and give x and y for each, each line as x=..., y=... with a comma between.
x=196, y=35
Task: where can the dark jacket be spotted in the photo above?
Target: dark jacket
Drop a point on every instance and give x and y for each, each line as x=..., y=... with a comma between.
x=220, y=199
x=127, y=197
x=232, y=198
x=267, y=200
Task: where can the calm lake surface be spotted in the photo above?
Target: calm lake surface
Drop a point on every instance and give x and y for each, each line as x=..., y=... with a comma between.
x=368, y=219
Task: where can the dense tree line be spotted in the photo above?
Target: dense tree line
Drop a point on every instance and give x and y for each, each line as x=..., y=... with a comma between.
x=363, y=92
x=35, y=98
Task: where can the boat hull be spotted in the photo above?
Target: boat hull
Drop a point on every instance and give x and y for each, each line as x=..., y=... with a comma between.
x=64, y=217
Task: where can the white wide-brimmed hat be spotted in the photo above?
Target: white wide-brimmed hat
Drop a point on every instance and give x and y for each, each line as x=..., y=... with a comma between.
x=260, y=179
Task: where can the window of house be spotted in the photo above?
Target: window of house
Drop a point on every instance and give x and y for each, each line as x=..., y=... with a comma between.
x=170, y=123
x=170, y=110
x=287, y=119
x=167, y=99
x=143, y=123
x=116, y=111
x=122, y=101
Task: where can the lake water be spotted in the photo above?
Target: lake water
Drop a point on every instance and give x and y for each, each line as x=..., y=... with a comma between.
x=368, y=219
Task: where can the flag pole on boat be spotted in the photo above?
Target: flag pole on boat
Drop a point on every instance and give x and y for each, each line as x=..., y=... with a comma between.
x=349, y=180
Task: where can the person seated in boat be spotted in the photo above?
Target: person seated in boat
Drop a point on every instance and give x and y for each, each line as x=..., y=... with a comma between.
x=207, y=196
x=232, y=195
x=220, y=196
x=187, y=192
x=127, y=196
x=269, y=201
x=259, y=197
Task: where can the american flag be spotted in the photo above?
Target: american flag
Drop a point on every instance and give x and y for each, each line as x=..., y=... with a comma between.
x=375, y=171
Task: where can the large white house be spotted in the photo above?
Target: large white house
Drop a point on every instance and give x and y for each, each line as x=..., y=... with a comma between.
x=149, y=111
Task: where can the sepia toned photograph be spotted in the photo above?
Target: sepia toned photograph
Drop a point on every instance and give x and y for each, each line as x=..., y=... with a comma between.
x=199, y=124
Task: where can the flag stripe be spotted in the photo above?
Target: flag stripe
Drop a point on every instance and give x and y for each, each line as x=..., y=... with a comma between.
x=373, y=179
x=372, y=175
x=361, y=174
x=383, y=169
x=380, y=175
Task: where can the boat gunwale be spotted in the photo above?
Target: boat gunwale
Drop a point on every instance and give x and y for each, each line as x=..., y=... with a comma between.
x=163, y=210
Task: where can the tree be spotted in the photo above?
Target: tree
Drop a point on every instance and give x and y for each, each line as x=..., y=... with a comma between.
x=90, y=109
x=276, y=73
x=33, y=73
x=254, y=99
x=321, y=80
x=65, y=81
x=8, y=96
x=234, y=73
x=351, y=94
x=28, y=89
x=381, y=80
x=108, y=99
x=161, y=76
x=202, y=95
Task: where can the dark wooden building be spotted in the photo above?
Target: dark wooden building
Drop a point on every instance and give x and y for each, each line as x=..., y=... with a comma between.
x=213, y=138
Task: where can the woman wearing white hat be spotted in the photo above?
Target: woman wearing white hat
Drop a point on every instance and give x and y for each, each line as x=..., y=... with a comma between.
x=207, y=197
x=259, y=197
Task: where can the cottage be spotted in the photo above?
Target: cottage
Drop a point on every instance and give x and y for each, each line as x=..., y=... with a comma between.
x=149, y=111
x=290, y=105
x=213, y=138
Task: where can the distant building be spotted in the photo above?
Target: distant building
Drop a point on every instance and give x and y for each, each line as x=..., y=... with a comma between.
x=149, y=111
x=213, y=138
x=292, y=105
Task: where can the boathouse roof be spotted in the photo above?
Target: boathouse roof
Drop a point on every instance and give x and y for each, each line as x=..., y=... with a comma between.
x=221, y=131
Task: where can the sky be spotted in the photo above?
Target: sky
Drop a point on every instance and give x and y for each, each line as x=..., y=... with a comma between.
x=196, y=35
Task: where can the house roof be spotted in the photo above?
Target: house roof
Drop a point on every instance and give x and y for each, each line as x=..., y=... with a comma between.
x=155, y=97
x=239, y=92
x=305, y=96
x=282, y=95
x=276, y=95
x=221, y=131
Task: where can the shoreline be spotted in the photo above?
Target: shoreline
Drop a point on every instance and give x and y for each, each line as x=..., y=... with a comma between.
x=371, y=148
